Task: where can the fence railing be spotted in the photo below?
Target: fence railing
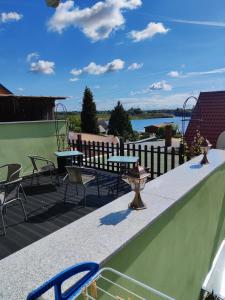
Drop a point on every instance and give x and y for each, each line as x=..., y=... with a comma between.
x=158, y=160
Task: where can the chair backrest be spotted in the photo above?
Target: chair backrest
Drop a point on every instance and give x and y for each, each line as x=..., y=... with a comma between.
x=13, y=172
x=74, y=174
x=11, y=190
x=33, y=159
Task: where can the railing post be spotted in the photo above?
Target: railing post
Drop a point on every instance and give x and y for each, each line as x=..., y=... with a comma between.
x=79, y=142
x=121, y=147
x=181, y=154
x=158, y=161
x=152, y=162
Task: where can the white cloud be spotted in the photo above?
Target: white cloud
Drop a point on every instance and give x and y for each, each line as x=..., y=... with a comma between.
x=94, y=69
x=196, y=73
x=96, y=22
x=32, y=56
x=174, y=74
x=10, y=16
x=147, y=33
x=203, y=23
x=76, y=72
x=200, y=73
x=160, y=86
x=74, y=79
x=135, y=66
x=43, y=66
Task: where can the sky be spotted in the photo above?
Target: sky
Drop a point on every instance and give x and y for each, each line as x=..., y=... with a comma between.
x=144, y=53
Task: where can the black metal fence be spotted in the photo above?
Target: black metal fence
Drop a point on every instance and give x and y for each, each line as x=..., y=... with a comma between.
x=158, y=160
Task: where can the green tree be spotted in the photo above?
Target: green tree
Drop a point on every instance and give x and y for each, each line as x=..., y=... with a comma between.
x=74, y=123
x=119, y=122
x=88, y=114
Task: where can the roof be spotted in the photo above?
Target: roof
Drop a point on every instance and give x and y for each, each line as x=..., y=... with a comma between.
x=208, y=117
x=89, y=137
x=4, y=90
x=12, y=96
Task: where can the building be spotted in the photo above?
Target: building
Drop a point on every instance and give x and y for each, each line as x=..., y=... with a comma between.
x=15, y=108
x=152, y=129
x=103, y=126
x=28, y=126
x=209, y=118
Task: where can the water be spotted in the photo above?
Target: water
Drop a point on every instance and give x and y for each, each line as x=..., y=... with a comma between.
x=139, y=125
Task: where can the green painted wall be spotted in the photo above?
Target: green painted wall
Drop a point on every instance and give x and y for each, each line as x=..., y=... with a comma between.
x=18, y=140
x=175, y=253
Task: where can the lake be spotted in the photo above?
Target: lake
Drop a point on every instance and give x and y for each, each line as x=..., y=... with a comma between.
x=139, y=125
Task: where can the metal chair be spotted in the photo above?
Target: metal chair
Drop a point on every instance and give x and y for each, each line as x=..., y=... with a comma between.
x=9, y=193
x=42, y=165
x=76, y=176
x=13, y=172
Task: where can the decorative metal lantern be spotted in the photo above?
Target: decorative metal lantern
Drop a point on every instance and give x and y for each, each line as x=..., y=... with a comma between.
x=52, y=3
x=205, y=146
x=137, y=178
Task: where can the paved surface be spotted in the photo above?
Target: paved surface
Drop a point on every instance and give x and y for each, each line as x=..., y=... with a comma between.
x=47, y=212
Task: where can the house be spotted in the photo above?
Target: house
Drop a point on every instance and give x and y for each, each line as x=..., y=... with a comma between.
x=89, y=137
x=15, y=108
x=31, y=120
x=209, y=118
x=103, y=126
x=152, y=129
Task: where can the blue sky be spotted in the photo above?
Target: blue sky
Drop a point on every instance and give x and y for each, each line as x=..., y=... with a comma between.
x=145, y=53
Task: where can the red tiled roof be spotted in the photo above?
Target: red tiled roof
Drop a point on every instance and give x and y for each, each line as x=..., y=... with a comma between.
x=4, y=90
x=208, y=117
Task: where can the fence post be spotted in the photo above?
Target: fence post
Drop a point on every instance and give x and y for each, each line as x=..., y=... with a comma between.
x=181, y=154
x=79, y=142
x=152, y=162
x=121, y=147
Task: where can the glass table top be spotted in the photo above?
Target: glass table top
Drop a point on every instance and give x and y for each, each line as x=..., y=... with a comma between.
x=123, y=159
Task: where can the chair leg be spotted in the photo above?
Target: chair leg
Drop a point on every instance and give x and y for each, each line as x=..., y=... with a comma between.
x=57, y=178
x=51, y=177
x=84, y=196
x=24, y=195
x=23, y=208
x=65, y=192
x=32, y=179
x=3, y=223
x=98, y=188
x=38, y=179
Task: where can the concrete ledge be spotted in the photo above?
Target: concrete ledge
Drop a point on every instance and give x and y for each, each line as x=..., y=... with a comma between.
x=99, y=235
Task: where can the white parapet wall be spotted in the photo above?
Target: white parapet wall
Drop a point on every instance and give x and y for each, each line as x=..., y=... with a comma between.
x=101, y=234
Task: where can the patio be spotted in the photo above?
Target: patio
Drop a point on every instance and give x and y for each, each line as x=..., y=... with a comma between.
x=47, y=212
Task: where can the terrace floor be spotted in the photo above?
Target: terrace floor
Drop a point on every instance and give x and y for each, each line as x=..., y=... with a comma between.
x=47, y=212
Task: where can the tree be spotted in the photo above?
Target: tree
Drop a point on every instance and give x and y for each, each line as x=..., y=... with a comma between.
x=88, y=114
x=119, y=122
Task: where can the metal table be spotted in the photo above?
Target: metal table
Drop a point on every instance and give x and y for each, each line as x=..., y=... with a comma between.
x=124, y=161
x=62, y=158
